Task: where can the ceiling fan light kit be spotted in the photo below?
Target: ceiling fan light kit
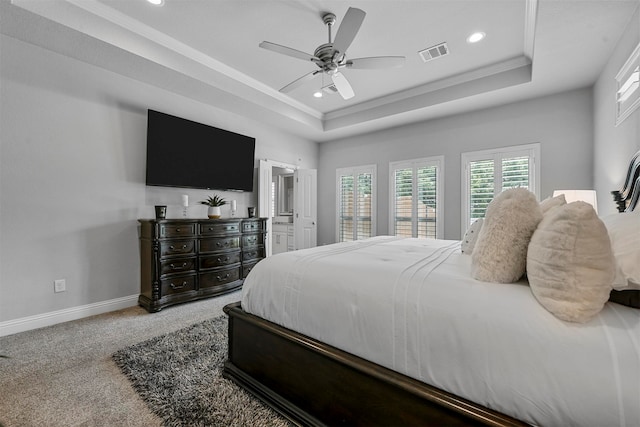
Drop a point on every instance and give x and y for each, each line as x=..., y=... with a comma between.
x=331, y=57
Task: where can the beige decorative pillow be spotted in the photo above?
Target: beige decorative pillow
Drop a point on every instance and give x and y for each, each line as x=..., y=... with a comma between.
x=570, y=263
x=471, y=236
x=551, y=202
x=500, y=253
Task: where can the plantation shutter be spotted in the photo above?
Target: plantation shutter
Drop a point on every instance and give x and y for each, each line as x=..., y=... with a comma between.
x=414, y=195
x=488, y=173
x=427, y=201
x=363, y=206
x=481, y=178
x=403, y=218
x=356, y=208
x=345, y=225
x=515, y=172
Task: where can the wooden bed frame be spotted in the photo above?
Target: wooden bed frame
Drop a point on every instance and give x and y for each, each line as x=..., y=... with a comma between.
x=313, y=384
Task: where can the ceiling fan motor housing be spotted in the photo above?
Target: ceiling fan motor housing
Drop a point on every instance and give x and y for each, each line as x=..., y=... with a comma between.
x=325, y=53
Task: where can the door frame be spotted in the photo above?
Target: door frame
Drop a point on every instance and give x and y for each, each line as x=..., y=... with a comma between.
x=265, y=177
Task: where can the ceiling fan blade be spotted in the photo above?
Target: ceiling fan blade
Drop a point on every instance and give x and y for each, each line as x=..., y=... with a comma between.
x=348, y=29
x=288, y=51
x=376, y=62
x=299, y=82
x=343, y=86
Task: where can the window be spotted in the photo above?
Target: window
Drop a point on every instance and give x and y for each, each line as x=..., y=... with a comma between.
x=487, y=173
x=356, y=215
x=628, y=83
x=415, y=187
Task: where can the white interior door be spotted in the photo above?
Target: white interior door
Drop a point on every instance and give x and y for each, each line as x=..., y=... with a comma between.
x=265, y=168
x=305, y=212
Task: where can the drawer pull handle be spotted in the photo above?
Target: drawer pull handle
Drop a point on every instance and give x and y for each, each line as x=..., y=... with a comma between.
x=252, y=254
x=173, y=266
x=226, y=276
x=226, y=259
x=173, y=247
x=221, y=244
x=174, y=287
x=252, y=239
x=177, y=230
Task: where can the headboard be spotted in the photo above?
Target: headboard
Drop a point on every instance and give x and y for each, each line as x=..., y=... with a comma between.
x=627, y=200
x=627, y=197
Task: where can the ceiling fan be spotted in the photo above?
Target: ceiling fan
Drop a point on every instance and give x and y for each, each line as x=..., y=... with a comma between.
x=331, y=57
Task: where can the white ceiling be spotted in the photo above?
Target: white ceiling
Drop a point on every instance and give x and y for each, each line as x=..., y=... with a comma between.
x=208, y=50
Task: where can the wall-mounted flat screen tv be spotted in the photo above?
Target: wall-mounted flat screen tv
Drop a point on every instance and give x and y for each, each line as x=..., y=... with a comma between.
x=183, y=153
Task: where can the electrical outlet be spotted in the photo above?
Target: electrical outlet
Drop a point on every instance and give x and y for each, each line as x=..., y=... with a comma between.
x=59, y=285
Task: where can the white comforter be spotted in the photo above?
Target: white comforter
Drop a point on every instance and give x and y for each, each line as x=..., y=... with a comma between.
x=410, y=305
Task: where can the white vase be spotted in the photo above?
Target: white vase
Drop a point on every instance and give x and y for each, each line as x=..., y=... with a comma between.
x=213, y=212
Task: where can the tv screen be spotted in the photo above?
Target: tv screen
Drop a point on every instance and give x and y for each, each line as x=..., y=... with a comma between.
x=183, y=153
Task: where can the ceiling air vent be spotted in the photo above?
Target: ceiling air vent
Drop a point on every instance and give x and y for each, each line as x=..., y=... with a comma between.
x=434, y=52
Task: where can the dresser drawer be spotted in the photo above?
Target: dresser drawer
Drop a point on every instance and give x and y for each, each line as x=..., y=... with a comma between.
x=177, y=285
x=177, y=230
x=217, y=228
x=177, y=266
x=177, y=247
x=246, y=268
x=253, y=253
x=219, y=244
x=219, y=260
x=252, y=240
x=249, y=226
x=219, y=277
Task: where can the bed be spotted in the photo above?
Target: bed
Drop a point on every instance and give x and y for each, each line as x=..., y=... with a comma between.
x=394, y=331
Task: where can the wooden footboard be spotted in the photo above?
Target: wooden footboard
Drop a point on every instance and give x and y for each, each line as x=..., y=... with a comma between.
x=312, y=383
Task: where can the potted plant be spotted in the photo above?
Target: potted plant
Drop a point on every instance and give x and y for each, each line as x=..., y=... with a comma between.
x=214, y=204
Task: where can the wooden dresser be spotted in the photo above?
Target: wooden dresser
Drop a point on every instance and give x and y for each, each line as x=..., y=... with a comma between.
x=189, y=259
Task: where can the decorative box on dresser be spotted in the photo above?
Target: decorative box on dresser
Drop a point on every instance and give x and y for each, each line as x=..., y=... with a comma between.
x=189, y=259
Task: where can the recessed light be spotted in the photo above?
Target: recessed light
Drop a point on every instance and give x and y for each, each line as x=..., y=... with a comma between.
x=156, y=2
x=476, y=37
x=318, y=94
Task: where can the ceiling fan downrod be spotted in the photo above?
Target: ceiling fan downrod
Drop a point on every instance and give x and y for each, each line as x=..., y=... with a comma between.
x=329, y=19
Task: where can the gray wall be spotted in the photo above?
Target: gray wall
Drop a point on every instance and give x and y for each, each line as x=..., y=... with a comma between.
x=72, y=172
x=561, y=123
x=614, y=145
x=72, y=166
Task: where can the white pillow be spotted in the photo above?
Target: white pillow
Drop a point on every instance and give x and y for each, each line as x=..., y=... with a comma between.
x=570, y=262
x=500, y=253
x=551, y=202
x=624, y=232
x=471, y=236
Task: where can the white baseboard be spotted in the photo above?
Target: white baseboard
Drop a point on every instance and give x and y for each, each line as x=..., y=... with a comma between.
x=47, y=319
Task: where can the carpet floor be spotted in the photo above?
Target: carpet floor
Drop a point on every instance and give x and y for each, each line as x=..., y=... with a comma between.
x=179, y=376
x=64, y=375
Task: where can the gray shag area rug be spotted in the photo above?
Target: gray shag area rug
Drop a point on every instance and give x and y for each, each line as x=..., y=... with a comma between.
x=179, y=376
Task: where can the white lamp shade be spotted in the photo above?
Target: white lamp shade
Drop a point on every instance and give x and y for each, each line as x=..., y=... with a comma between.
x=587, y=196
